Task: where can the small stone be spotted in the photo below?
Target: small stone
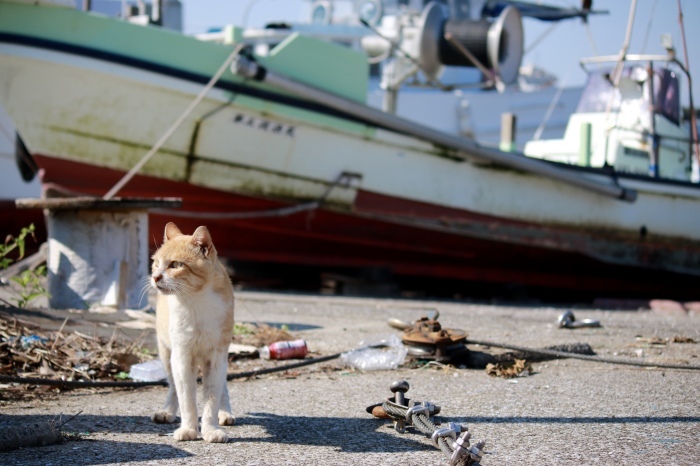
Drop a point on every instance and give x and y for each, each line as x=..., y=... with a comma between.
x=667, y=307
x=693, y=307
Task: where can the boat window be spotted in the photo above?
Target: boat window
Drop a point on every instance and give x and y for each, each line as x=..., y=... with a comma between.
x=599, y=92
x=666, y=95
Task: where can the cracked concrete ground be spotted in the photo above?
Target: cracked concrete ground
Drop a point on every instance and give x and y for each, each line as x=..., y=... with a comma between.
x=569, y=412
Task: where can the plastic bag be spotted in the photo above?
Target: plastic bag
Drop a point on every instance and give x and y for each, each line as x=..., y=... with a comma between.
x=376, y=359
x=149, y=371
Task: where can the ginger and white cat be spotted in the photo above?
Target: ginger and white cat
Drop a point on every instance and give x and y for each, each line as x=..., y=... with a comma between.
x=194, y=317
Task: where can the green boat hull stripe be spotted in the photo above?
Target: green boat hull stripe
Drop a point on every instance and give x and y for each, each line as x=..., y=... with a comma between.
x=281, y=99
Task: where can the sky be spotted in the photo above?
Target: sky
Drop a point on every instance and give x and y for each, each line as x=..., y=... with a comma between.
x=558, y=52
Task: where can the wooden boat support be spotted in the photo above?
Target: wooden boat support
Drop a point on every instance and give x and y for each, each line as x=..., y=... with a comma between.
x=466, y=149
x=98, y=249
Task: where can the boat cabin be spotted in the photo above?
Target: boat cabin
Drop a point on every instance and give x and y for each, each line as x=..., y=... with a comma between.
x=635, y=127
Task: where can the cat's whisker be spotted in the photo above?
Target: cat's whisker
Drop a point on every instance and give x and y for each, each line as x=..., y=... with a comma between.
x=145, y=287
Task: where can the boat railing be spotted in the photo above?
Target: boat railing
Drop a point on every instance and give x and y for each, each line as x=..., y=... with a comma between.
x=646, y=133
x=628, y=58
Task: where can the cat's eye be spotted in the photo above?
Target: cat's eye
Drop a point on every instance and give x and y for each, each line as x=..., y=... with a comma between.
x=175, y=265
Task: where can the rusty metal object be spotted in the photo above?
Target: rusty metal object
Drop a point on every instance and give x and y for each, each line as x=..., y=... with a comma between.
x=426, y=339
x=378, y=411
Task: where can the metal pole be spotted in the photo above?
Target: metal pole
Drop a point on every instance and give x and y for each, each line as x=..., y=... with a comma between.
x=693, y=116
x=508, y=130
x=654, y=166
x=157, y=12
x=466, y=149
x=628, y=36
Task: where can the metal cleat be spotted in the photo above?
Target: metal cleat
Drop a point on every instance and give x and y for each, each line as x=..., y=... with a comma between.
x=399, y=388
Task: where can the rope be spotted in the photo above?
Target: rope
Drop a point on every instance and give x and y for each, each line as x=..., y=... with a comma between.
x=585, y=357
x=161, y=383
x=120, y=184
x=280, y=212
x=164, y=383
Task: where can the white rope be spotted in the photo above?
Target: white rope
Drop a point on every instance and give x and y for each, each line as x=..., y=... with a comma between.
x=128, y=176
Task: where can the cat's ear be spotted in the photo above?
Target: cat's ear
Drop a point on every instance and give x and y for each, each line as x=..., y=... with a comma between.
x=202, y=239
x=171, y=231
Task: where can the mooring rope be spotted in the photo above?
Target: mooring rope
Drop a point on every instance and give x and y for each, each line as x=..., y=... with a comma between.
x=156, y=147
x=158, y=383
x=308, y=362
x=585, y=357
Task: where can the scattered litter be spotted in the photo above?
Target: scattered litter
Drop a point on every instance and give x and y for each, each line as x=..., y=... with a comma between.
x=149, y=371
x=31, y=340
x=374, y=359
x=259, y=335
x=295, y=349
x=509, y=370
x=237, y=350
x=27, y=352
x=682, y=340
x=661, y=342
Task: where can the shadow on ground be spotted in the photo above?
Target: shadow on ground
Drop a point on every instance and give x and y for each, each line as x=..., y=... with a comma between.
x=343, y=434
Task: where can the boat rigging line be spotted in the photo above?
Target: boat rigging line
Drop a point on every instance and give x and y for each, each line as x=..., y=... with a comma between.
x=280, y=212
x=156, y=147
x=693, y=116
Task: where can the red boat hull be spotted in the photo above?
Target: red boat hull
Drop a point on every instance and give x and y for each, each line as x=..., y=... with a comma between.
x=379, y=234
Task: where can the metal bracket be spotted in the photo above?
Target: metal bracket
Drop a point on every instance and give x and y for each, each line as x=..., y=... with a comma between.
x=451, y=431
x=463, y=450
x=425, y=407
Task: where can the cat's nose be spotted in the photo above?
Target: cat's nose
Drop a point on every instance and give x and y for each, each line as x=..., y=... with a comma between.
x=157, y=278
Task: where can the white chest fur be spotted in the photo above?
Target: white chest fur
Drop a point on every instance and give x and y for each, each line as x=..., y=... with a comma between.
x=195, y=323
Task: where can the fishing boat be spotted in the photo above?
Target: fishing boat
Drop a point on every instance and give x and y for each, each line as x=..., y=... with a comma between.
x=281, y=157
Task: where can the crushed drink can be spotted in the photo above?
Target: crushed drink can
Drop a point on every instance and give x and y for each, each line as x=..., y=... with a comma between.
x=284, y=350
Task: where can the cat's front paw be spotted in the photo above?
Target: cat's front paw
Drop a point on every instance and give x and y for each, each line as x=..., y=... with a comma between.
x=226, y=419
x=184, y=434
x=215, y=436
x=163, y=417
